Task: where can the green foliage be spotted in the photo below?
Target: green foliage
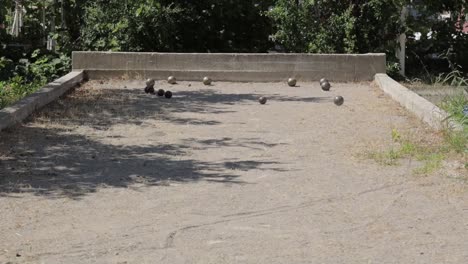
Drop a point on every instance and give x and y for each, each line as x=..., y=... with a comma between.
x=454, y=78
x=6, y=68
x=151, y=25
x=457, y=141
x=430, y=156
x=28, y=75
x=15, y=89
x=336, y=26
x=454, y=106
x=442, y=46
x=137, y=26
x=47, y=67
x=432, y=162
x=393, y=70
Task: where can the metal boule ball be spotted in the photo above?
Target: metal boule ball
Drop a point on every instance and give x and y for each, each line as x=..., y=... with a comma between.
x=150, y=82
x=339, y=100
x=171, y=80
x=323, y=80
x=168, y=94
x=292, y=82
x=262, y=100
x=161, y=92
x=207, y=80
x=151, y=90
x=325, y=86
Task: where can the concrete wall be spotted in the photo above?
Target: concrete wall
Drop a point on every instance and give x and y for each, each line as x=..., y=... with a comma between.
x=231, y=67
x=422, y=108
x=16, y=113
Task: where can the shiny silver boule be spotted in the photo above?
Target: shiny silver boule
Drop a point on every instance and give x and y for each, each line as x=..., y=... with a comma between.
x=292, y=82
x=339, y=100
x=171, y=80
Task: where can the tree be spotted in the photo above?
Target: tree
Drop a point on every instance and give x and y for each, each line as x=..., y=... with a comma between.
x=161, y=25
x=335, y=26
x=442, y=45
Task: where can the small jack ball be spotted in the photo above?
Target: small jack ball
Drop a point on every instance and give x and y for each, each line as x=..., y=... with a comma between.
x=325, y=86
x=262, y=100
x=207, y=80
x=292, y=82
x=339, y=100
x=171, y=80
x=323, y=80
x=168, y=94
x=161, y=92
x=150, y=82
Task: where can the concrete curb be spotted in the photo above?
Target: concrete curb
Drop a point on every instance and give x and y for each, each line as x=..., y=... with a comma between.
x=422, y=108
x=16, y=113
x=238, y=67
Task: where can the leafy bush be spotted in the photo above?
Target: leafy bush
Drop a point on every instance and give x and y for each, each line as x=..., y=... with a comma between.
x=393, y=70
x=6, y=68
x=197, y=26
x=47, y=67
x=28, y=75
x=15, y=89
x=442, y=44
x=336, y=26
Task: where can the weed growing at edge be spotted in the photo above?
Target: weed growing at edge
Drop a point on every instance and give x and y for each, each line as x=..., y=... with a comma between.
x=431, y=156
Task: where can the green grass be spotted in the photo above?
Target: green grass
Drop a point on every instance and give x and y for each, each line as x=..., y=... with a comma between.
x=431, y=162
x=400, y=148
x=431, y=156
x=15, y=89
x=454, y=106
x=457, y=140
x=388, y=158
x=454, y=78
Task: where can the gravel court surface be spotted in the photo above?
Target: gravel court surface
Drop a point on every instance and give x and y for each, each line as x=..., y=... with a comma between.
x=110, y=174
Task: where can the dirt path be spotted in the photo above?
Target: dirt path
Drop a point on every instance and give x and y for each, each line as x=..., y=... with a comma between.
x=112, y=175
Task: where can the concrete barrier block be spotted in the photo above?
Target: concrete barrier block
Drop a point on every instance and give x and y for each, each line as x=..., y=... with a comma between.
x=422, y=108
x=234, y=67
x=16, y=113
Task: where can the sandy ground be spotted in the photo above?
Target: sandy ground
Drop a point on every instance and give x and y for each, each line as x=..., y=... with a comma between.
x=112, y=175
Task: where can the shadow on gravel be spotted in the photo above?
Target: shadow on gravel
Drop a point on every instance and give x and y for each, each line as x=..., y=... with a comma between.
x=56, y=162
x=104, y=107
x=248, y=143
x=52, y=162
